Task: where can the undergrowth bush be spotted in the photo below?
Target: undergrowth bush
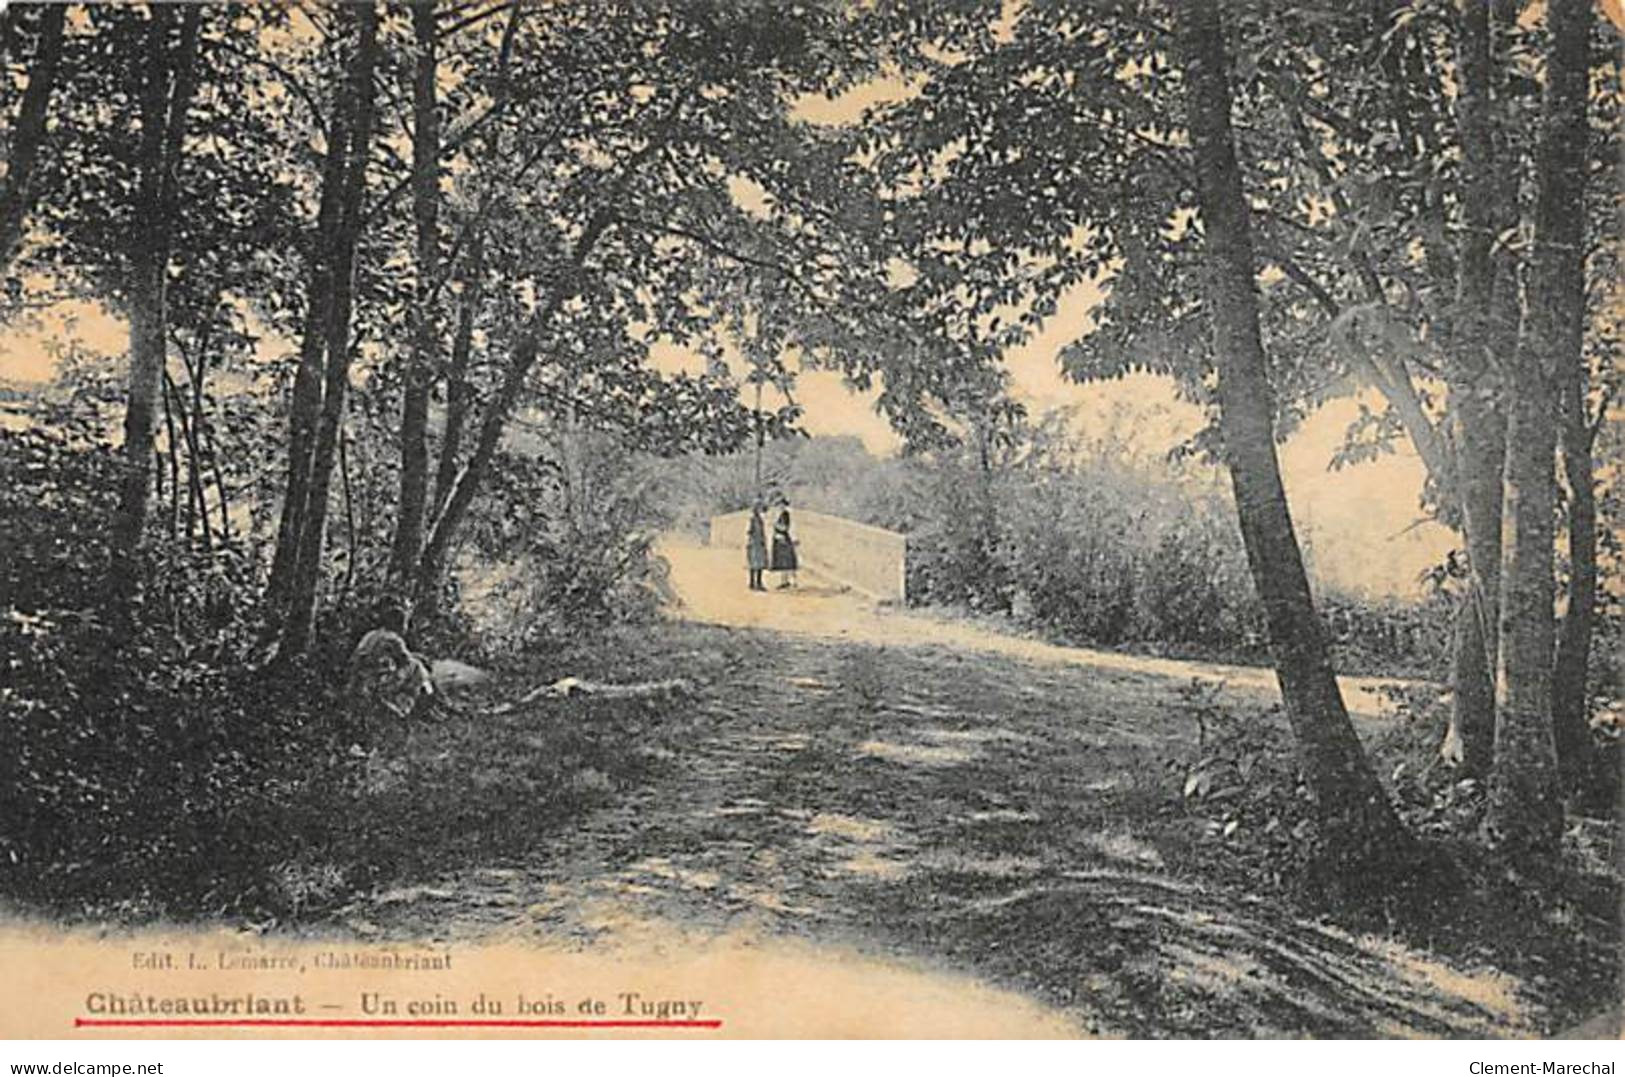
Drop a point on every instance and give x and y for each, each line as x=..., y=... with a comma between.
x=563, y=542
x=156, y=767
x=1243, y=787
x=1121, y=554
x=133, y=756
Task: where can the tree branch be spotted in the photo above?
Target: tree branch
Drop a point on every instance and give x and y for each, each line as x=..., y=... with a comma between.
x=1299, y=276
x=303, y=92
x=1595, y=426
x=478, y=17
x=463, y=135
x=1392, y=381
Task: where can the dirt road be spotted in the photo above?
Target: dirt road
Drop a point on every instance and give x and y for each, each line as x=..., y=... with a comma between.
x=708, y=582
x=898, y=812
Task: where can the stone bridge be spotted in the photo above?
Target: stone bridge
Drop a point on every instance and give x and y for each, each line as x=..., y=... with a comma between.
x=865, y=559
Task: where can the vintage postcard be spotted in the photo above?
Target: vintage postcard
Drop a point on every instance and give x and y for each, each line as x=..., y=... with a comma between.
x=718, y=519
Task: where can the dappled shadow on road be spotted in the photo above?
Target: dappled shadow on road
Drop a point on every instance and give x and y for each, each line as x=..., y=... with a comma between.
x=969, y=814
x=1146, y=955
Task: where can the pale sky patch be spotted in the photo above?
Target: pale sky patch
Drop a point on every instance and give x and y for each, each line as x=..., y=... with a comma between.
x=26, y=355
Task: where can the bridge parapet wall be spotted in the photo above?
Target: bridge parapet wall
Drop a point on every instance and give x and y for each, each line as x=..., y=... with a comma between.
x=870, y=560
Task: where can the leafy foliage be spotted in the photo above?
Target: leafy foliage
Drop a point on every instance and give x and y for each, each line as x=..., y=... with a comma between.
x=573, y=529
x=1244, y=787
x=135, y=752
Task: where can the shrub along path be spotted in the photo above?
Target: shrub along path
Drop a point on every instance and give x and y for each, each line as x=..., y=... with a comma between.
x=936, y=811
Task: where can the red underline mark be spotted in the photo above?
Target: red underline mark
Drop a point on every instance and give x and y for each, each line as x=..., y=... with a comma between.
x=96, y=1022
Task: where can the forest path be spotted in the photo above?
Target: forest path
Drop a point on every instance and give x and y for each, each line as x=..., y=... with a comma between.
x=862, y=837
x=710, y=584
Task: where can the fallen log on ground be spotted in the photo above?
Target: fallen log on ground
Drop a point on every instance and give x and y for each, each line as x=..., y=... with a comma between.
x=568, y=687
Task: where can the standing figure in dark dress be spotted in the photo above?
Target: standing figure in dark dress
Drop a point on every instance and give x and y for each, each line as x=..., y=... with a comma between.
x=784, y=548
x=756, y=548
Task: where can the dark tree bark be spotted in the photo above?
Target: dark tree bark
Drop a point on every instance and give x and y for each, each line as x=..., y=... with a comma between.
x=173, y=450
x=194, y=440
x=299, y=620
x=526, y=350
x=1455, y=452
x=305, y=406
x=437, y=547
x=1525, y=812
x=17, y=193
x=459, y=392
x=1474, y=383
x=408, y=540
x=349, y=511
x=219, y=483
x=1360, y=830
x=1470, y=738
x=178, y=417
x=165, y=98
x=197, y=368
x=1570, y=723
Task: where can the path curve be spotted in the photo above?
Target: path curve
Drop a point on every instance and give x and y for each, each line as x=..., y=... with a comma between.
x=709, y=585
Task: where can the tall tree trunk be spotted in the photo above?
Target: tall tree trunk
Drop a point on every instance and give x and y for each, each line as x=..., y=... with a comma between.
x=17, y=193
x=425, y=325
x=432, y=565
x=305, y=406
x=459, y=393
x=299, y=620
x=349, y=512
x=1569, y=719
x=197, y=502
x=1469, y=740
x=1479, y=430
x=197, y=369
x=458, y=390
x=146, y=293
x=219, y=481
x=165, y=98
x=1525, y=813
x=1360, y=830
x=1570, y=724
x=527, y=347
x=1478, y=427
x=173, y=447
x=195, y=423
